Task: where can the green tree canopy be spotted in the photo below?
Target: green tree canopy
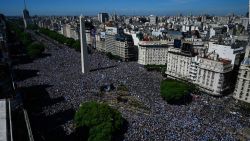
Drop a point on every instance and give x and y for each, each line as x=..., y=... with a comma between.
x=174, y=91
x=35, y=49
x=102, y=120
x=61, y=38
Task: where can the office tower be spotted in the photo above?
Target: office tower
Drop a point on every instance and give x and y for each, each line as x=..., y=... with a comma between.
x=153, y=19
x=26, y=15
x=103, y=17
x=84, y=51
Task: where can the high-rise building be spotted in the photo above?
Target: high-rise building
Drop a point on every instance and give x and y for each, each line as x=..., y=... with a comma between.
x=153, y=19
x=26, y=15
x=84, y=51
x=103, y=17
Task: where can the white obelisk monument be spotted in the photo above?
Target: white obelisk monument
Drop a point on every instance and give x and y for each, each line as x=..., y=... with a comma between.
x=84, y=51
x=248, y=12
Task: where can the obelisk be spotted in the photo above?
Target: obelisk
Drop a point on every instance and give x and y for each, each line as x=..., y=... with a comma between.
x=84, y=50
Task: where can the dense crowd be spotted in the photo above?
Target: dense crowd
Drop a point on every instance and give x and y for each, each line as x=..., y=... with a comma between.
x=205, y=118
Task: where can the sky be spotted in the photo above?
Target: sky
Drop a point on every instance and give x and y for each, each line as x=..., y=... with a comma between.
x=124, y=7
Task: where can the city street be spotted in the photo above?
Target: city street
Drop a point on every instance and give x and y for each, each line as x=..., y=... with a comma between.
x=56, y=87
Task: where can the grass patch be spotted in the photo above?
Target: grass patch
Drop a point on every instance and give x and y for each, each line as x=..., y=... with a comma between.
x=175, y=91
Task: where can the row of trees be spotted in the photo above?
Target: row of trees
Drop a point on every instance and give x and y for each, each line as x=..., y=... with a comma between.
x=33, y=49
x=102, y=122
x=159, y=68
x=61, y=38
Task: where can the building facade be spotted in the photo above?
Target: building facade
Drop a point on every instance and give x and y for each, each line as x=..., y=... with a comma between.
x=178, y=64
x=210, y=73
x=152, y=53
x=213, y=75
x=100, y=42
x=227, y=52
x=242, y=88
x=124, y=47
x=153, y=19
x=103, y=17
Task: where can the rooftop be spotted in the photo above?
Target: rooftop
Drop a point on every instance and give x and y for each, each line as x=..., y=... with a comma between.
x=153, y=43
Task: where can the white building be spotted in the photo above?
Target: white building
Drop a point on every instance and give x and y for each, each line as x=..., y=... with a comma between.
x=152, y=53
x=227, y=52
x=211, y=74
x=100, y=42
x=178, y=64
x=70, y=31
x=244, y=22
x=152, y=19
x=111, y=30
x=211, y=32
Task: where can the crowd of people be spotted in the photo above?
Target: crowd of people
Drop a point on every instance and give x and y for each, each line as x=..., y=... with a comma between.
x=205, y=118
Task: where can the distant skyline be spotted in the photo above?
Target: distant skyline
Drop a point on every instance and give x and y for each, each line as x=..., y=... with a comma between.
x=124, y=7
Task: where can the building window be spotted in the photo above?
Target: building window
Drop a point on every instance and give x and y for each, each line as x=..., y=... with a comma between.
x=245, y=74
x=213, y=75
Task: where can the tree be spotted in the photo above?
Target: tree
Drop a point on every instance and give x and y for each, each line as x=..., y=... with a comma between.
x=61, y=38
x=102, y=121
x=77, y=45
x=175, y=91
x=25, y=38
x=35, y=50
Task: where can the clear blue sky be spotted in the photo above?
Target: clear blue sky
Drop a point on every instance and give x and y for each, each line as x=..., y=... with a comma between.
x=127, y=7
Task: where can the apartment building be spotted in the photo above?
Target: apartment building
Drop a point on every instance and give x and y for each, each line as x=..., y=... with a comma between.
x=100, y=42
x=124, y=47
x=178, y=63
x=152, y=52
x=117, y=43
x=209, y=72
x=213, y=74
